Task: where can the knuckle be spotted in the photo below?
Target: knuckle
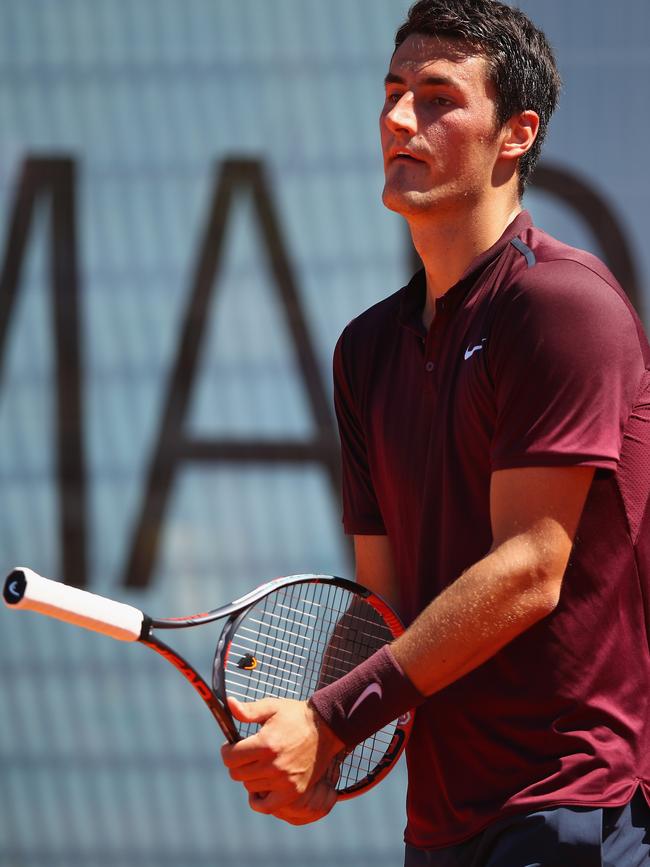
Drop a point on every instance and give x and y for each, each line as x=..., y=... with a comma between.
x=266, y=743
x=271, y=744
x=277, y=764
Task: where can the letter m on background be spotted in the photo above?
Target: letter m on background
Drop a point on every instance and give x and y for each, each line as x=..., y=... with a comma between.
x=52, y=182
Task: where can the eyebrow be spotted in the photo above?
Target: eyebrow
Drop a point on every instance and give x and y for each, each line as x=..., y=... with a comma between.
x=392, y=78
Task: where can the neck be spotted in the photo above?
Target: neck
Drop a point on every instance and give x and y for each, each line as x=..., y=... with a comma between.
x=447, y=246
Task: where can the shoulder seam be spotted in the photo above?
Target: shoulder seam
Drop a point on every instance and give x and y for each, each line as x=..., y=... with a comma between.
x=613, y=284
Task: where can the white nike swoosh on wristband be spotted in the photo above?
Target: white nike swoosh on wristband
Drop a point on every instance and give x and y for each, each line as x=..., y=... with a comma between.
x=369, y=690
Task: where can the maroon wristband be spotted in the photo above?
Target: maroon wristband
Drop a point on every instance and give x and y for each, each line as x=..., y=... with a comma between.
x=367, y=698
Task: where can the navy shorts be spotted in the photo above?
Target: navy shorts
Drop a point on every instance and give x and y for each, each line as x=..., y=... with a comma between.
x=561, y=837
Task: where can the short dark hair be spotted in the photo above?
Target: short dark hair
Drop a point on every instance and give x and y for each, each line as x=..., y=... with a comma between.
x=521, y=61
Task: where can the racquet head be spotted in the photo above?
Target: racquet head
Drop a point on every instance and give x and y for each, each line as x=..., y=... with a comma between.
x=308, y=632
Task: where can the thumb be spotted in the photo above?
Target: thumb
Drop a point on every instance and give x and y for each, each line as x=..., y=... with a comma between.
x=252, y=711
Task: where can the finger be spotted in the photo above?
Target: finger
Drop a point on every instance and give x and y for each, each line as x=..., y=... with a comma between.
x=252, y=711
x=313, y=805
x=256, y=801
x=244, y=752
x=270, y=801
x=259, y=781
x=302, y=817
x=259, y=788
x=249, y=773
x=254, y=782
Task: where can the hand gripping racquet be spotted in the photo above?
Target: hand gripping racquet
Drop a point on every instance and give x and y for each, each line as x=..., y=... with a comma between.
x=285, y=639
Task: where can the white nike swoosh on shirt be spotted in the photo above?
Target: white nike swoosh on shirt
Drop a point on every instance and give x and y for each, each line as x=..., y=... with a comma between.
x=470, y=351
x=369, y=690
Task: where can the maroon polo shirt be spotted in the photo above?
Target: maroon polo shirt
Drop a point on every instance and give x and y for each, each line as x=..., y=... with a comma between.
x=534, y=358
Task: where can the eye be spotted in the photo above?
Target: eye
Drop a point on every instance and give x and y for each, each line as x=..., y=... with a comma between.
x=441, y=100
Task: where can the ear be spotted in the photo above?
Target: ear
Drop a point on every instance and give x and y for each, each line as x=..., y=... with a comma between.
x=519, y=134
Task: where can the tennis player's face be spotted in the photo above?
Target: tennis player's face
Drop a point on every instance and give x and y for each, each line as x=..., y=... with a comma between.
x=439, y=134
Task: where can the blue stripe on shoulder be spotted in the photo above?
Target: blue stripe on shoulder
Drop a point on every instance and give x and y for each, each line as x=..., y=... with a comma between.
x=525, y=251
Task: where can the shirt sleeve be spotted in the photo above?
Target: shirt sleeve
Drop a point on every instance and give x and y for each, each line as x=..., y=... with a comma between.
x=361, y=512
x=566, y=362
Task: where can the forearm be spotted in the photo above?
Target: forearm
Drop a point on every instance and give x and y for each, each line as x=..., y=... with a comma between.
x=496, y=600
x=488, y=606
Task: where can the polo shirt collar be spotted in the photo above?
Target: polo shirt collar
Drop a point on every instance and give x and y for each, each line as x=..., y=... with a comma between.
x=412, y=300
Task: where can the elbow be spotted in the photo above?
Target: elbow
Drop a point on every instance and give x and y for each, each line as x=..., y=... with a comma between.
x=550, y=597
x=543, y=593
x=539, y=587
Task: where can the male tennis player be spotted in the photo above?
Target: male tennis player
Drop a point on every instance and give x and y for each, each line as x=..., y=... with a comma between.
x=495, y=428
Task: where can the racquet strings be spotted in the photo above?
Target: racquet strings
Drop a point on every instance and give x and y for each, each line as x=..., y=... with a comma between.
x=298, y=639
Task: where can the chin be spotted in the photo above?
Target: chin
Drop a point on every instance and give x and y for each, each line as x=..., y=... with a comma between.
x=408, y=203
x=439, y=201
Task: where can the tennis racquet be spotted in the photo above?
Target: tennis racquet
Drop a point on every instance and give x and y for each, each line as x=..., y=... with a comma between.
x=285, y=639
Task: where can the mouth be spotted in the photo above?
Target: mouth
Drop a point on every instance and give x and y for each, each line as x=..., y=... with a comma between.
x=404, y=157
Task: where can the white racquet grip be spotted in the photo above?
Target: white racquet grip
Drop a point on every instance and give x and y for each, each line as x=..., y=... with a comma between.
x=28, y=590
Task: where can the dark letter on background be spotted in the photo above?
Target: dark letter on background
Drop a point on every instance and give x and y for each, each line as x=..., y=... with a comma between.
x=53, y=181
x=599, y=215
x=235, y=177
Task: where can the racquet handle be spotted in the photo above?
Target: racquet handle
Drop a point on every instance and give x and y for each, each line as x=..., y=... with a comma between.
x=28, y=590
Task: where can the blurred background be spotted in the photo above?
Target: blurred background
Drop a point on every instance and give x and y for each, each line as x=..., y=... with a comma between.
x=190, y=213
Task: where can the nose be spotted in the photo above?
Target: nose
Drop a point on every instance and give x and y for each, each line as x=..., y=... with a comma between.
x=400, y=115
